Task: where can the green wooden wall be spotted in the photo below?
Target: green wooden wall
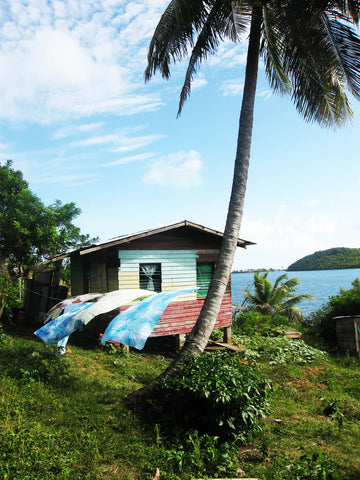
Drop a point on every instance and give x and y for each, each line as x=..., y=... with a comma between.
x=178, y=267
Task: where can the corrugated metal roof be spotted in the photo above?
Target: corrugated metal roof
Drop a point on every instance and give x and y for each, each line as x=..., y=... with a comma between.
x=145, y=233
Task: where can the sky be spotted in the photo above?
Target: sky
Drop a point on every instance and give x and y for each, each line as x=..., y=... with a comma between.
x=77, y=118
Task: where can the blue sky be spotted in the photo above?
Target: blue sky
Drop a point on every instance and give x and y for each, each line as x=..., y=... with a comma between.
x=77, y=118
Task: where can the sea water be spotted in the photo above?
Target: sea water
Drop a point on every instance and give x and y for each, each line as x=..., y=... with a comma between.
x=320, y=283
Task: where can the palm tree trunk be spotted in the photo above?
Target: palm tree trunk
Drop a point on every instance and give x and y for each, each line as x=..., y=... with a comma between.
x=197, y=340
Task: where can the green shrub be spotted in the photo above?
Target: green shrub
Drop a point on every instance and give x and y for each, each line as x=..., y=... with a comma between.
x=251, y=322
x=201, y=455
x=216, y=394
x=309, y=466
x=4, y=338
x=277, y=350
x=322, y=322
x=35, y=365
x=9, y=295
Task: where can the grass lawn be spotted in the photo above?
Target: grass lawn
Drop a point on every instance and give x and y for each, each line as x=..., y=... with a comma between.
x=64, y=418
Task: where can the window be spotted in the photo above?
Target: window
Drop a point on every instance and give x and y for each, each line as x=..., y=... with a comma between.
x=204, y=273
x=150, y=276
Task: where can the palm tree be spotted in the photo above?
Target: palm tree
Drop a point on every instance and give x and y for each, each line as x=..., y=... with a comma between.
x=276, y=297
x=311, y=51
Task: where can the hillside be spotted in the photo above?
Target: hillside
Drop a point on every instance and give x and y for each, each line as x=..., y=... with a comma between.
x=330, y=259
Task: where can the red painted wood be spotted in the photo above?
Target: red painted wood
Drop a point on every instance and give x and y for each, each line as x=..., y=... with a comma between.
x=179, y=317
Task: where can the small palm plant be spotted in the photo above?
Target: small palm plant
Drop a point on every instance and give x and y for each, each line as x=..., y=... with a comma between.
x=276, y=297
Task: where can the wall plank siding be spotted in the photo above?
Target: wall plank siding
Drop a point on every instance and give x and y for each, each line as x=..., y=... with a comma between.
x=77, y=287
x=178, y=267
x=179, y=251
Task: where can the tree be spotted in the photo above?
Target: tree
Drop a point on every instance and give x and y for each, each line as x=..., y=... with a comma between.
x=311, y=51
x=31, y=232
x=276, y=298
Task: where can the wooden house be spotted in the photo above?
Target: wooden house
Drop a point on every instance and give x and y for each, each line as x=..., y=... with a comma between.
x=166, y=258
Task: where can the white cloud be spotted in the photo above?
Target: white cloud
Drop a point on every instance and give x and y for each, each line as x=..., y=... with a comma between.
x=76, y=129
x=198, y=83
x=285, y=237
x=179, y=170
x=232, y=87
x=265, y=93
x=68, y=180
x=229, y=55
x=119, y=141
x=129, y=159
x=312, y=202
x=66, y=59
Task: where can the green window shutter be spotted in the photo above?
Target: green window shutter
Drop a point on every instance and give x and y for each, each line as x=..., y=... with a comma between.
x=204, y=273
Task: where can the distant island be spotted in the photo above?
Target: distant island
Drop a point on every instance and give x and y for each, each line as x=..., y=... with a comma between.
x=253, y=270
x=331, y=259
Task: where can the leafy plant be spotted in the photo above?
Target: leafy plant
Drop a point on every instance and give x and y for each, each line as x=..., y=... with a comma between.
x=9, y=293
x=4, y=338
x=216, y=394
x=322, y=322
x=251, y=322
x=29, y=230
x=309, y=466
x=36, y=365
x=278, y=350
x=275, y=297
x=332, y=410
x=202, y=455
x=312, y=467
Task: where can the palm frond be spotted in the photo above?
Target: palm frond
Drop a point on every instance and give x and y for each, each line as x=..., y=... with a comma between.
x=207, y=41
x=349, y=8
x=240, y=19
x=292, y=283
x=219, y=23
x=280, y=279
x=174, y=34
x=303, y=50
x=346, y=45
x=278, y=295
x=270, y=50
x=291, y=312
x=292, y=301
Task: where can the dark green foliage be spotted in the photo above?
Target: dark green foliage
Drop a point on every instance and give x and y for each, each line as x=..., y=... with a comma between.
x=275, y=298
x=310, y=466
x=216, y=394
x=331, y=259
x=322, y=322
x=9, y=294
x=31, y=232
x=251, y=322
x=34, y=365
x=201, y=455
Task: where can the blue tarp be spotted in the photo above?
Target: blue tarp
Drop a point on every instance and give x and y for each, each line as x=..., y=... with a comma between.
x=63, y=326
x=133, y=326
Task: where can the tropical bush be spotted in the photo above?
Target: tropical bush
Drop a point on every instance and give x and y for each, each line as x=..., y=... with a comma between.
x=30, y=365
x=9, y=294
x=275, y=297
x=252, y=322
x=216, y=394
x=201, y=455
x=277, y=350
x=322, y=323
